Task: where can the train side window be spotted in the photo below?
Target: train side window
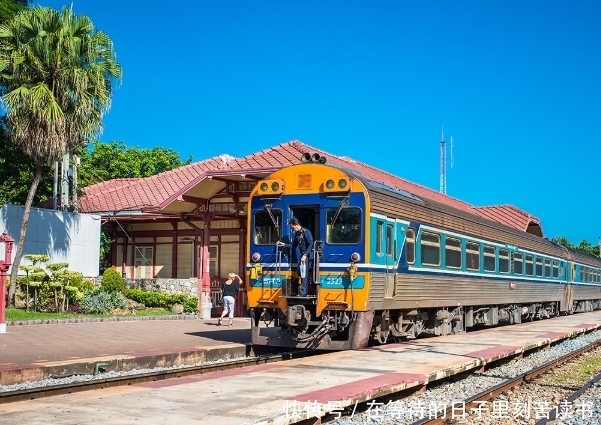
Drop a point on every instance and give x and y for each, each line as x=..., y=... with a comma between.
x=529, y=265
x=489, y=258
x=389, y=228
x=539, y=266
x=379, y=237
x=518, y=264
x=503, y=260
x=430, y=249
x=581, y=273
x=555, y=269
x=472, y=255
x=452, y=252
x=410, y=246
x=547, y=267
x=561, y=270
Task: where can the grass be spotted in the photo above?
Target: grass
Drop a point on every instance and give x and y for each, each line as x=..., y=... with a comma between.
x=586, y=367
x=22, y=314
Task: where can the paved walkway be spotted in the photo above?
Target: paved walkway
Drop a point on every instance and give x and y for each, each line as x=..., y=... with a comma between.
x=30, y=352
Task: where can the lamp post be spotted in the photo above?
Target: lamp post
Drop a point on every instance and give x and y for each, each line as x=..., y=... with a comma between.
x=7, y=242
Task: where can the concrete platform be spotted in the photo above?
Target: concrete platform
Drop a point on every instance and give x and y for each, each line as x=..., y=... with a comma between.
x=35, y=352
x=282, y=393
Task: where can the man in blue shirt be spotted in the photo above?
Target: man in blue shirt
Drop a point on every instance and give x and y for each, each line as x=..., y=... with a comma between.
x=303, y=240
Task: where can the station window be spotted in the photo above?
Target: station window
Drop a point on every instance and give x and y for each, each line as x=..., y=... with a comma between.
x=489, y=259
x=503, y=261
x=389, y=238
x=379, y=237
x=452, y=252
x=410, y=246
x=430, y=249
x=518, y=265
x=529, y=265
x=539, y=266
x=472, y=255
x=547, y=267
x=555, y=269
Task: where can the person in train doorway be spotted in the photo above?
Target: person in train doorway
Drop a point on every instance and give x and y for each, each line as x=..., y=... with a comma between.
x=302, y=239
x=228, y=294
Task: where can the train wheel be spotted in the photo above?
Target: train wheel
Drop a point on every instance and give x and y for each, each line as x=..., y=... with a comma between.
x=382, y=336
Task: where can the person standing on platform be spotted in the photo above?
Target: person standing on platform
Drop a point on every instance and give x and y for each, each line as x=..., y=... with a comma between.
x=303, y=240
x=228, y=294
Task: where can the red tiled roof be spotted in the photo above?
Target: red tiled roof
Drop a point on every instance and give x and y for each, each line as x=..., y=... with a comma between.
x=508, y=215
x=163, y=188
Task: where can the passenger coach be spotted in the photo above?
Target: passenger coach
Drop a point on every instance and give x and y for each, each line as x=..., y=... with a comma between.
x=391, y=265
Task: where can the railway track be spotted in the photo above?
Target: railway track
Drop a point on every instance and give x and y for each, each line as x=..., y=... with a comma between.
x=96, y=384
x=444, y=417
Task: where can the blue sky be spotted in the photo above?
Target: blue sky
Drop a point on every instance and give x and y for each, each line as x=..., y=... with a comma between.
x=515, y=83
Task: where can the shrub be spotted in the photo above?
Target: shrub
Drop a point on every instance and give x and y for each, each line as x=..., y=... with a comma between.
x=101, y=302
x=191, y=305
x=112, y=281
x=159, y=300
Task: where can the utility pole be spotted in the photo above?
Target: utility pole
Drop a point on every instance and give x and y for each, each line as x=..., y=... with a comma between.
x=65, y=183
x=55, y=187
x=443, y=164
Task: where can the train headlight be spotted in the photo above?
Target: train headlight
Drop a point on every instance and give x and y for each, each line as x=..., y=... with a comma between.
x=271, y=186
x=256, y=257
x=337, y=184
x=355, y=257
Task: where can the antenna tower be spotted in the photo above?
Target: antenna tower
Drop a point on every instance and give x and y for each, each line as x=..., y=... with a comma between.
x=443, y=164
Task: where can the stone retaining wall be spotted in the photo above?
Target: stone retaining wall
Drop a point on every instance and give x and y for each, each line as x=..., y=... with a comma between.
x=187, y=287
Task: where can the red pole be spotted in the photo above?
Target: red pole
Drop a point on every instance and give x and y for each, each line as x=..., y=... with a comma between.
x=2, y=301
x=4, y=265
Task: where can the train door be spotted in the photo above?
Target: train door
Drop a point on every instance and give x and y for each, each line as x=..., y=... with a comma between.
x=309, y=219
x=390, y=254
x=570, y=273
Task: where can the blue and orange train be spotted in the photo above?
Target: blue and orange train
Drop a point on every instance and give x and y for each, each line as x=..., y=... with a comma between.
x=390, y=265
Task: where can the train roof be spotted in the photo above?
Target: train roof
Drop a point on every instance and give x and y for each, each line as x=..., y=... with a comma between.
x=372, y=184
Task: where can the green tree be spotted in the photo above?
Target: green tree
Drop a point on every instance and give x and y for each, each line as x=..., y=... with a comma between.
x=584, y=245
x=124, y=162
x=56, y=73
x=16, y=173
x=9, y=8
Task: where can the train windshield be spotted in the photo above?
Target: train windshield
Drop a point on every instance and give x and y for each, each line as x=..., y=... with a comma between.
x=268, y=226
x=346, y=228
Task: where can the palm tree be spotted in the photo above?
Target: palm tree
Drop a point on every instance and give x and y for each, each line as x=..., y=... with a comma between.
x=56, y=76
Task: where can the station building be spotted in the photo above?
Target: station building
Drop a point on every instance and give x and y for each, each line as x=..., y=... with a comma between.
x=184, y=230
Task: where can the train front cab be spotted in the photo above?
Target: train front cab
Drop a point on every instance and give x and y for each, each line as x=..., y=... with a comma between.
x=332, y=205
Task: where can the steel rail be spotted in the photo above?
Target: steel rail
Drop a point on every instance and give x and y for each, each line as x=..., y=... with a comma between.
x=552, y=414
x=73, y=387
x=491, y=393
